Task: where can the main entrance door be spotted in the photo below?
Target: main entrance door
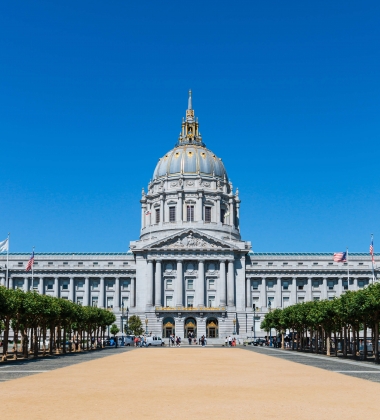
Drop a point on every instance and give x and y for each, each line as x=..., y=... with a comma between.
x=212, y=328
x=168, y=327
x=190, y=327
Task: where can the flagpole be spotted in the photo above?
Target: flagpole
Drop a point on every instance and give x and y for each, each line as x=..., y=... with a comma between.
x=373, y=269
x=348, y=268
x=32, y=268
x=7, y=280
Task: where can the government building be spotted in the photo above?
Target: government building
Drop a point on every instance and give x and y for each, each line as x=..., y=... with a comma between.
x=190, y=270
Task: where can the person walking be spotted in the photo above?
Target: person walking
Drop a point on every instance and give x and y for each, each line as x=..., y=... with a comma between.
x=229, y=340
x=226, y=342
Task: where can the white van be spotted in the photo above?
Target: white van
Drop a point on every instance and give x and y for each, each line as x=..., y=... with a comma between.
x=154, y=341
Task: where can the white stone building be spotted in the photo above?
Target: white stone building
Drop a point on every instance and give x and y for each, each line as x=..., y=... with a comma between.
x=190, y=270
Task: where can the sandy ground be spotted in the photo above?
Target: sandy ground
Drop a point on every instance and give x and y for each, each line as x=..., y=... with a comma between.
x=199, y=383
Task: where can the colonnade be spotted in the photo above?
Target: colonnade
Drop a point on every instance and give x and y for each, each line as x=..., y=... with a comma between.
x=225, y=283
x=71, y=293
x=306, y=291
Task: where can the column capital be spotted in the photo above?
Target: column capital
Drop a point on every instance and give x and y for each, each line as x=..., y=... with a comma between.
x=158, y=260
x=180, y=260
x=149, y=260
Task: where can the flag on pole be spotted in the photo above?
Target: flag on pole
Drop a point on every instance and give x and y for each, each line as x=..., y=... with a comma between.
x=4, y=245
x=30, y=262
x=371, y=251
x=340, y=256
x=147, y=213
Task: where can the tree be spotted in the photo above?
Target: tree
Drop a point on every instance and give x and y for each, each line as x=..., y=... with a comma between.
x=114, y=329
x=135, y=325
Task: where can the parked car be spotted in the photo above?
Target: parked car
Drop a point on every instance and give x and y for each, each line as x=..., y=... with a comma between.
x=154, y=341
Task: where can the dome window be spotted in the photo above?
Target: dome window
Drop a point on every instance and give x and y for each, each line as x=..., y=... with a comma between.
x=203, y=154
x=172, y=214
x=190, y=213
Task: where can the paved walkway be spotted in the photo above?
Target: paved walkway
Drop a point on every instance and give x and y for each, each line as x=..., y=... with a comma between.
x=182, y=383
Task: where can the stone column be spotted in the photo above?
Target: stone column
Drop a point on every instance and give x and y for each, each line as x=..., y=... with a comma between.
x=232, y=212
x=149, y=284
x=199, y=215
x=158, y=284
x=86, y=300
x=248, y=292
x=237, y=222
x=263, y=292
x=278, y=303
x=218, y=218
x=10, y=281
x=56, y=286
x=179, y=287
x=101, y=292
x=143, y=216
x=161, y=211
x=223, y=285
x=309, y=294
x=231, y=284
x=26, y=281
x=117, y=293
x=72, y=290
x=133, y=288
x=324, y=288
x=41, y=289
x=200, y=288
x=293, y=295
x=355, y=283
x=2, y=281
x=180, y=208
x=340, y=286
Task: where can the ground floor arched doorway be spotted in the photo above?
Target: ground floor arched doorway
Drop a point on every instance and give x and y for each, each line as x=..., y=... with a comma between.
x=212, y=330
x=168, y=327
x=190, y=327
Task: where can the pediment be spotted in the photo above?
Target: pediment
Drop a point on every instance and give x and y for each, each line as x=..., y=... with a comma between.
x=190, y=239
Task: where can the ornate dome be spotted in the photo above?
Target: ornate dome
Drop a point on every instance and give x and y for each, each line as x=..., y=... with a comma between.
x=190, y=160
x=190, y=156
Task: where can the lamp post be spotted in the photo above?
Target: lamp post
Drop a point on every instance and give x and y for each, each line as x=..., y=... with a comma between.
x=270, y=328
x=254, y=316
x=127, y=329
x=234, y=321
x=121, y=320
x=146, y=325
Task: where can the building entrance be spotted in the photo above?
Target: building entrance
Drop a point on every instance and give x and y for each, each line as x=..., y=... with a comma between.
x=212, y=330
x=168, y=327
x=190, y=327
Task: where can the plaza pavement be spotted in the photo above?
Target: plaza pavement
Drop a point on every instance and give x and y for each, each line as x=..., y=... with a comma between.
x=182, y=383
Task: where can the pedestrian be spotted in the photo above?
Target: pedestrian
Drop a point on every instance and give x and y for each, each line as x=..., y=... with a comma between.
x=189, y=338
x=226, y=342
x=229, y=340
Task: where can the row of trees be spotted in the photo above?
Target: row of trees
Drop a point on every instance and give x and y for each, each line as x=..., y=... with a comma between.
x=31, y=316
x=341, y=319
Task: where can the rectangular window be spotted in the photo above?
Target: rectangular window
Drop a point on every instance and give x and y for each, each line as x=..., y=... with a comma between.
x=80, y=285
x=94, y=285
x=190, y=284
x=109, y=302
x=300, y=263
x=285, y=302
x=270, y=284
x=211, y=284
x=110, y=263
x=95, y=263
x=190, y=213
x=270, y=302
x=157, y=216
x=79, y=300
x=301, y=299
x=345, y=284
x=94, y=301
x=255, y=285
x=125, y=285
x=300, y=286
x=361, y=283
x=50, y=286
x=125, y=302
x=109, y=285
x=20, y=263
x=211, y=301
x=190, y=301
x=331, y=297
x=331, y=285
x=207, y=214
x=315, y=284
x=172, y=214
x=169, y=284
x=80, y=263
x=35, y=284
x=65, y=263
x=50, y=263
x=284, y=263
x=169, y=301
x=315, y=298
x=315, y=263
x=270, y=263
x=65, y=286
x=285, y=285
x=255, y=303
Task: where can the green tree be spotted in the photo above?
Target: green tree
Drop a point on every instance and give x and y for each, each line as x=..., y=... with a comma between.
x=135, y=325
x=114, y=329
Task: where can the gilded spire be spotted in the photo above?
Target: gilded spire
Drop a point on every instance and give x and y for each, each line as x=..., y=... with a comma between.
x=190, y=128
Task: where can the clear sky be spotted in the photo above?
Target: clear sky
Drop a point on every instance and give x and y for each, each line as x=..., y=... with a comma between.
x=92, y=94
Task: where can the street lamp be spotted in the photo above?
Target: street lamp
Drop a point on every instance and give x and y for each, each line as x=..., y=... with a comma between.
x=234, y=321
x=270, y=328
x=127, y=320
x=121, y=320
x=146, y=325
x=254, y=316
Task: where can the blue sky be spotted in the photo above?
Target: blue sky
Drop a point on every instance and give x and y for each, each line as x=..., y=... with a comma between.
x=92, y=93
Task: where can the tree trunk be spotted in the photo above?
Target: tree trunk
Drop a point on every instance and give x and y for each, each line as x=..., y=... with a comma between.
x=311, y=341
x=365, y=341
x=51, y=339
x=64, y=340
x=15, y=339
x=43, y=341
x=328, y=352
x=336, y=345
x=345, y=342
x=376, y=347
x=354, y=350
x=6, y=338
x=35, y=343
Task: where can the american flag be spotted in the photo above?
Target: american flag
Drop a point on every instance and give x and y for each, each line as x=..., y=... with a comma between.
x=147, y=213
x=340, y=256
x=371, y=251
x=30, y=263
